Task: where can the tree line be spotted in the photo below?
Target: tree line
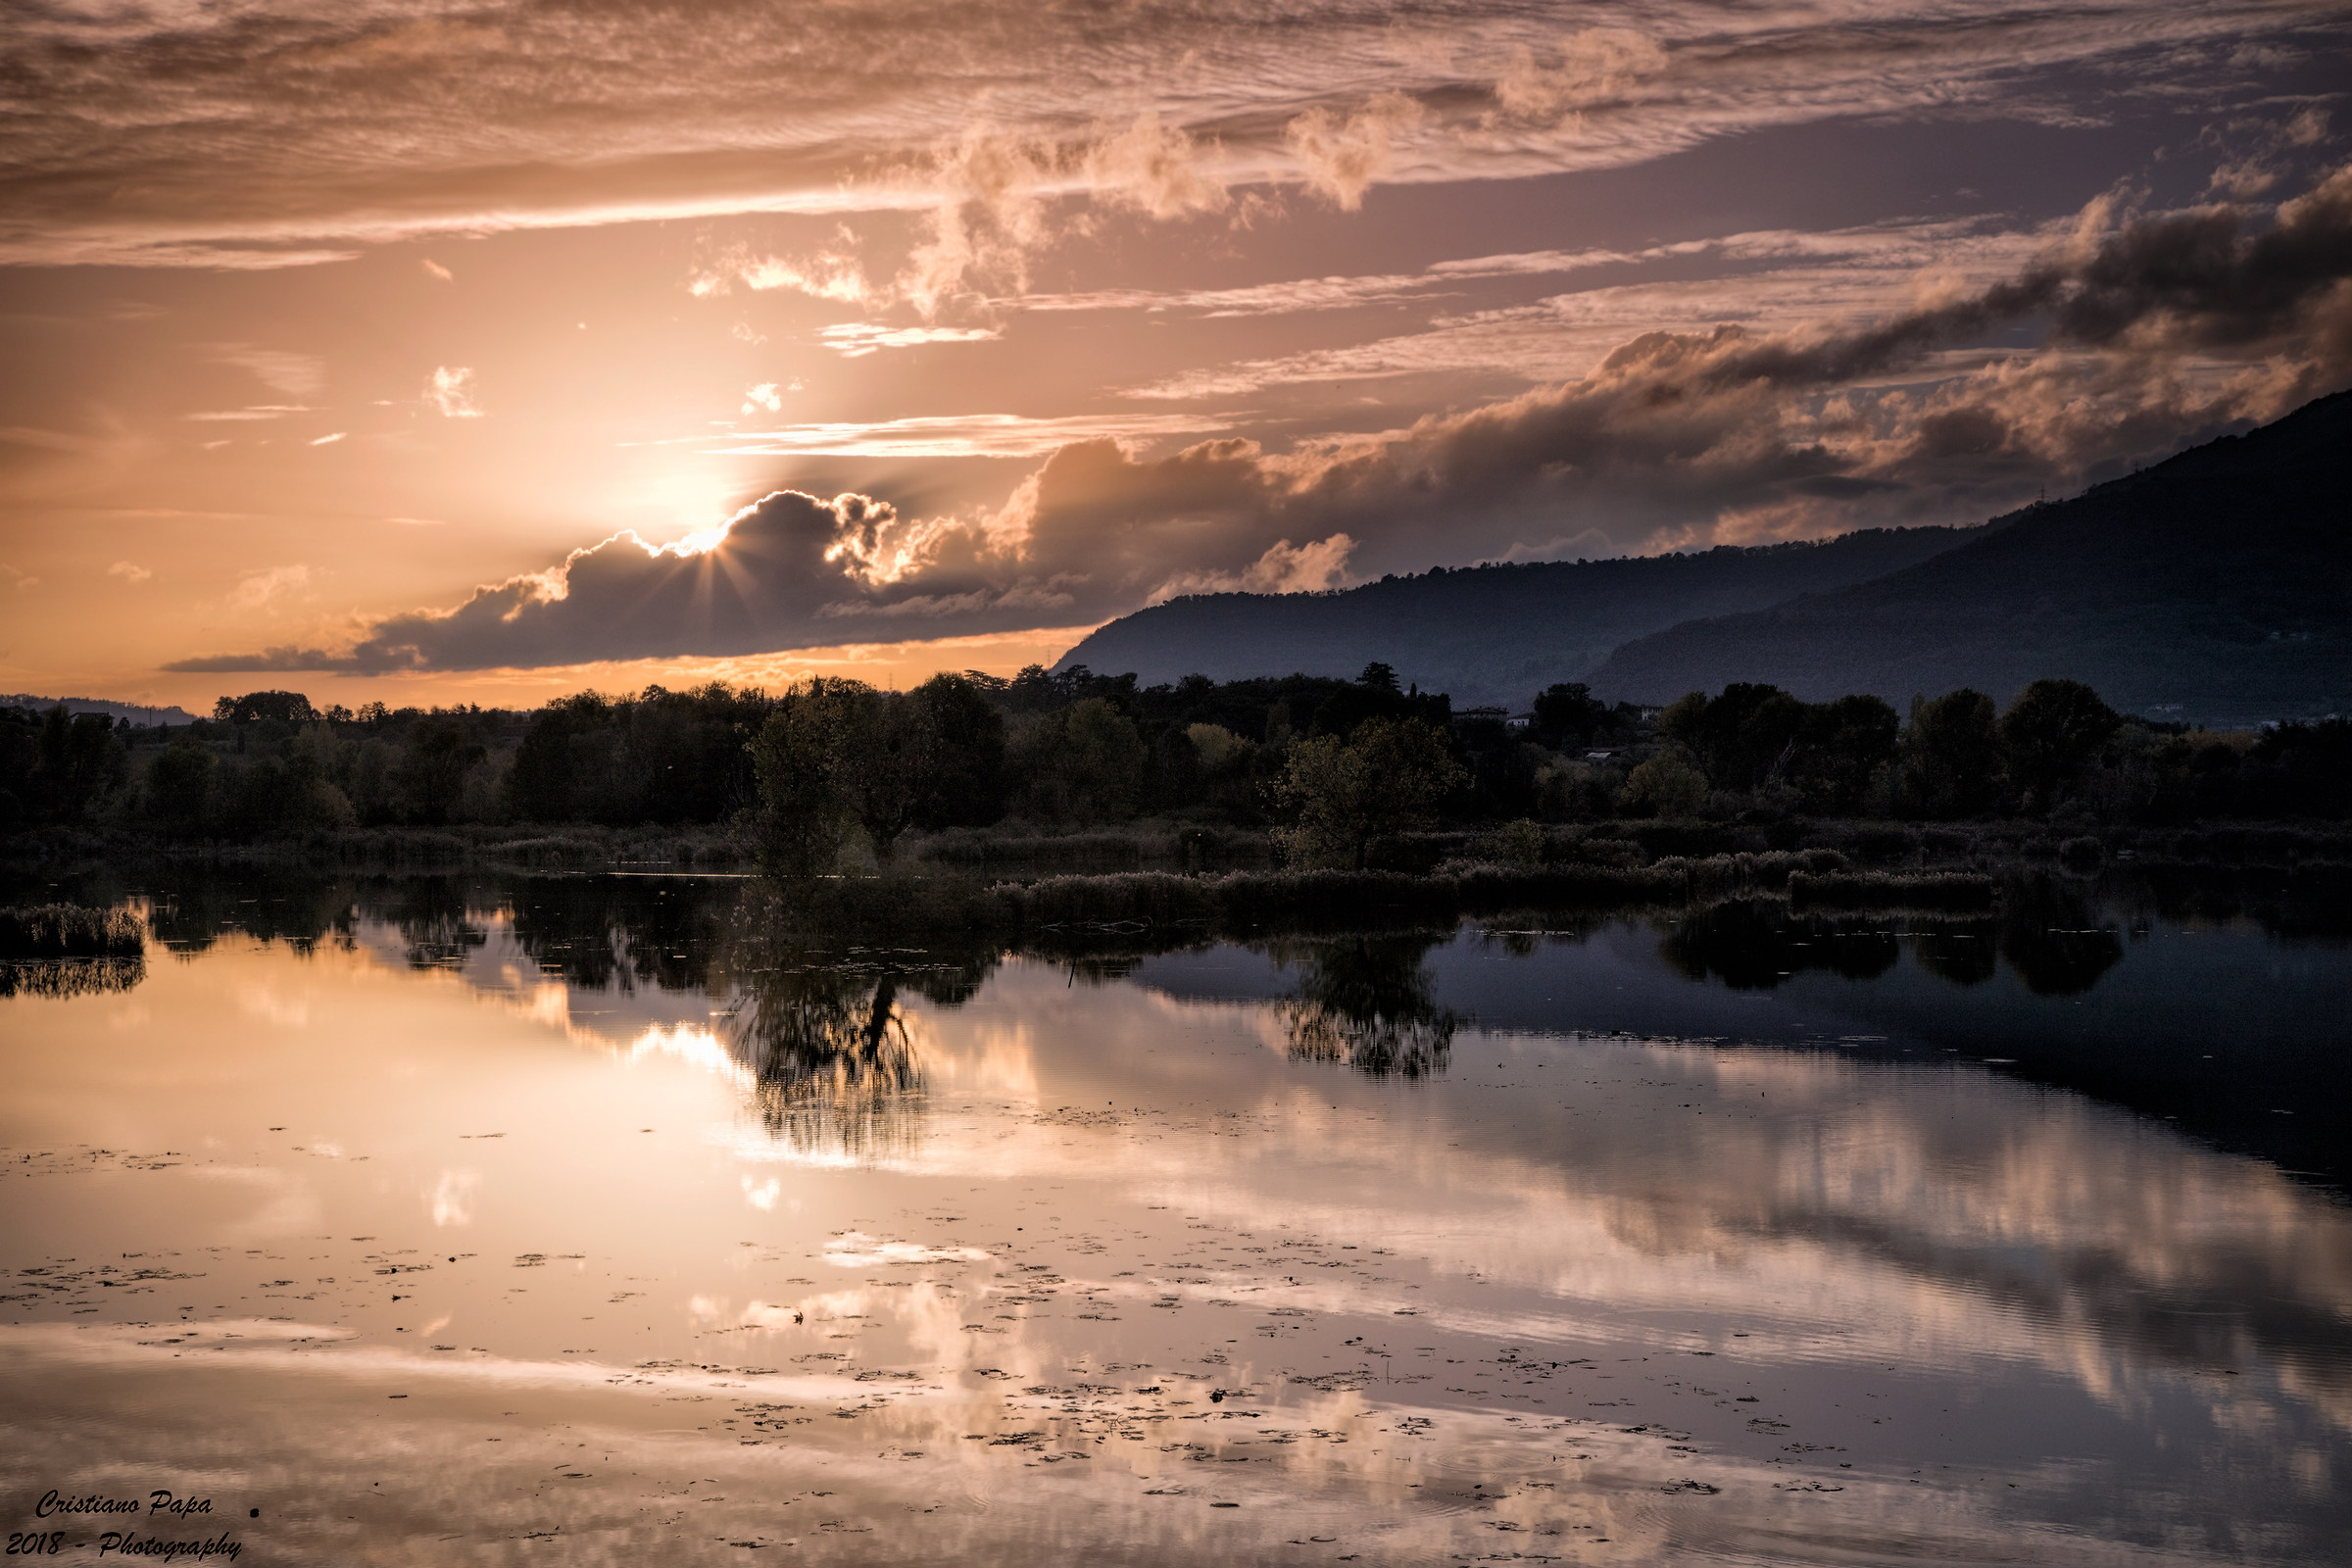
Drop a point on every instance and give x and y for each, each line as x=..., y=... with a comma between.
x=1333, y=768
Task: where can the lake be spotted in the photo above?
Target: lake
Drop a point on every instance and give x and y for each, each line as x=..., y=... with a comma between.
x=504, y=1219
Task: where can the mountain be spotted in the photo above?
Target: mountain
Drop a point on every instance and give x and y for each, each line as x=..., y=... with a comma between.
x=2216, y=586
x=1486, y=634
x=136, y=713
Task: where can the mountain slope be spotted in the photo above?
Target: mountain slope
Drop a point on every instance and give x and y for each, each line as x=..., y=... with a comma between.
x=1485, y=634
x=2217, y=583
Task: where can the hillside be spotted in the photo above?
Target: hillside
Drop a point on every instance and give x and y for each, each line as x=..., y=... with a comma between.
x=136, y=713
x=2214, y=586
x=1486, y=634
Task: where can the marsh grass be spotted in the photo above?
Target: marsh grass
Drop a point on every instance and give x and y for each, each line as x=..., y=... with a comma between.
x=56, y=979
x=51, y=931
x=1893, y=890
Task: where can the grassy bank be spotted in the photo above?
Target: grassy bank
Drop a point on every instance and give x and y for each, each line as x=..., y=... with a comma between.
x=1239, y=902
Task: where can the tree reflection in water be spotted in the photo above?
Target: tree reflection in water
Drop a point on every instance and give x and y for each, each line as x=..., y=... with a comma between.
x=835, y=1069
x=1369, y=1002
x=2047, y=934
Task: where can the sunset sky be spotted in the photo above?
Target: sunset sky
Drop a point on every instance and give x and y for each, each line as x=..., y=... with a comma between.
x=424, y=352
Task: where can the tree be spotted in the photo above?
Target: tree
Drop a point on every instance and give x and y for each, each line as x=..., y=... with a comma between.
x=179, y=784
x=1084, y=763
x=1841, y=748
x=804, y=809
x=1951, y=755
x=287, y=707
x=1744, y=739
x=1383, y=780
x=1379, y=676
x=1569, y=714
x=2049, y=734
x=429, y=780
x=961, y=782
x=1664, y=786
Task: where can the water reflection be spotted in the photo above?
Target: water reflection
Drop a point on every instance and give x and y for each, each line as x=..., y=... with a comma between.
x=1716, y=1235
x=1367, y=1003
x=1751, y=944
x=2052, y=935
x=70, y=977
x=834, y=1069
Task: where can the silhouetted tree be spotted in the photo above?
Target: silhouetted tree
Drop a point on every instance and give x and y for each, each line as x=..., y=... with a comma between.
x=179, y=785
x=286, y=708
x=2049, y=733
x=1569, y=714
x=961, y=767
x=1744, y=738
x=430, y=778
x=806, y=810
x=1844, y=746
x=1951, y=755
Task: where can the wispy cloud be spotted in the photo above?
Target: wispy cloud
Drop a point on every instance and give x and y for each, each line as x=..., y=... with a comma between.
x=970, y=435
x=857, y=339
x=129, y=571
x=259, y=588
x=256, y=410
x=298, y=375
x=144, y=135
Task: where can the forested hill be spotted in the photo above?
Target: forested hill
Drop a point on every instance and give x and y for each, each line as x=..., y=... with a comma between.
x=136, y=713
x=2215, y=587
x=1486, y=634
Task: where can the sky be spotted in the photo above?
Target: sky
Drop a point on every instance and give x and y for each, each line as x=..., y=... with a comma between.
x=482, y=352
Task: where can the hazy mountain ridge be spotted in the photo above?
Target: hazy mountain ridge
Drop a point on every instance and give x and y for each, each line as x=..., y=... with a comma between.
x=136, y=713
x=1493, y=633
x=2216, y=585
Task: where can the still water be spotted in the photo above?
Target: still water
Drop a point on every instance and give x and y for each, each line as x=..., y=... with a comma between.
x=549, y=1220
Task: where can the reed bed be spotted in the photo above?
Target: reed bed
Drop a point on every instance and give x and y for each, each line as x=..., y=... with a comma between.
x=50, y=931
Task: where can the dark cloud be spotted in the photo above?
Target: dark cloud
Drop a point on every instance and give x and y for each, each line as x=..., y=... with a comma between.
x=2170, y=326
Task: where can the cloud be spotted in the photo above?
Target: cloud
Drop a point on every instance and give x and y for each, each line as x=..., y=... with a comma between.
x=1155, y=168
x=2159, y=327
x=259, y=588
x=129, y=571
x=436, y=271
x=971, y=436
x=831, y=275
x=766, y=395
x=1590, y=66
x=1284, y=568
x=857, y=339
x=329, y=439
x=298, y=375
x=1341, y=158
x=450, y=390
x=149, y=135
x=256, y=411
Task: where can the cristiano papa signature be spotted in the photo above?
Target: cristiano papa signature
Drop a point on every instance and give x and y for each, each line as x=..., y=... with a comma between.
x=118, y=1536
